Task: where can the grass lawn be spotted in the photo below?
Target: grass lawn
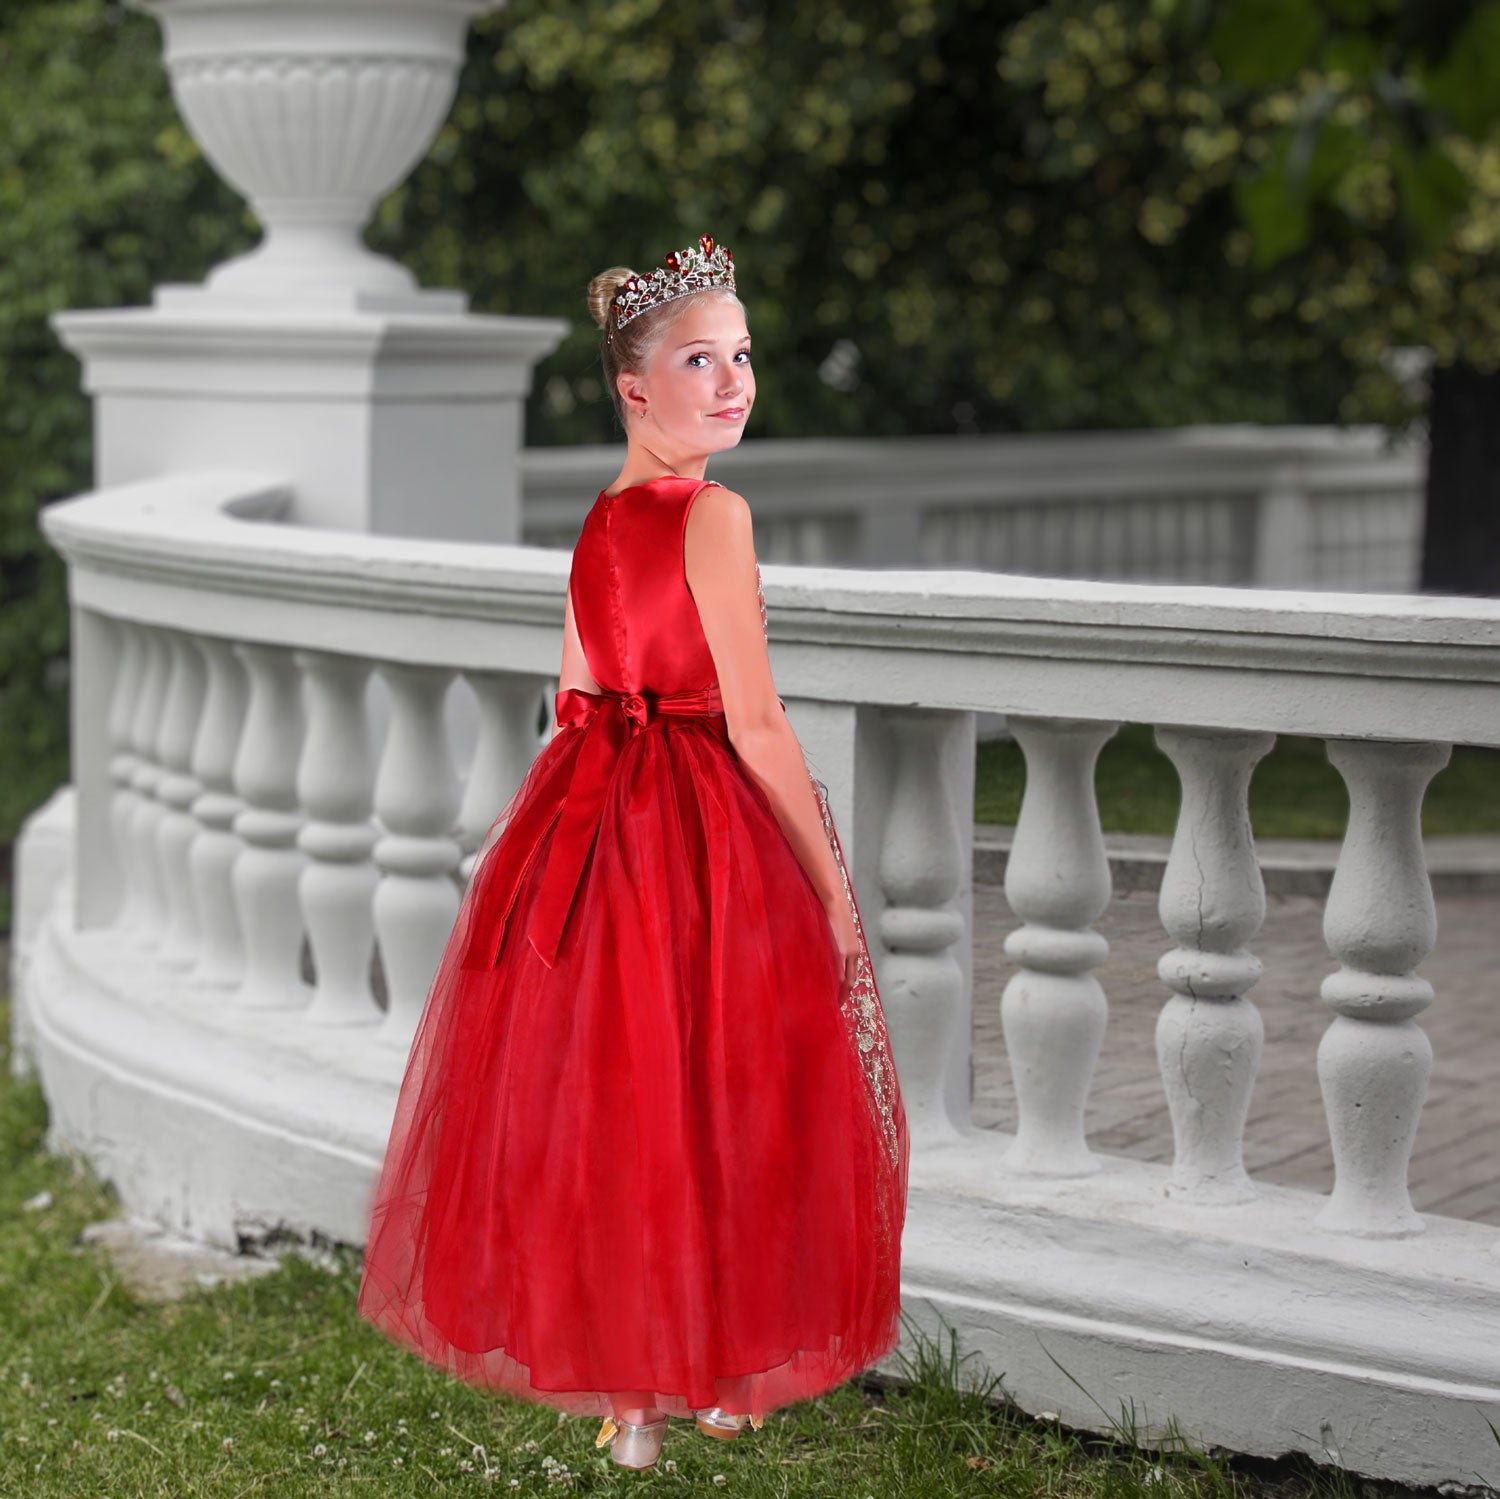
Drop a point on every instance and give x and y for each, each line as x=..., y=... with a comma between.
x=1294, y=791
x=276, y=1387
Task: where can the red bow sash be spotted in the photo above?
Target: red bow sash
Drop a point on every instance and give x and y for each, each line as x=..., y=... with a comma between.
x=574, y=800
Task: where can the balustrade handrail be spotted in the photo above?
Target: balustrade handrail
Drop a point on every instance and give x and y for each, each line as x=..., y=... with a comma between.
x=204, y=552
x=1238, y=505
x=1011, y=467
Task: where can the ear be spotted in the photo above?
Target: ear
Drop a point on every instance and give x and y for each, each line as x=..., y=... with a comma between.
x=632, y=392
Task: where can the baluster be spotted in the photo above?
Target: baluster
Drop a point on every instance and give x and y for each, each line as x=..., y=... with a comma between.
x=1208, y=1035
x=177, y=789
x=123, y=761
x=1379, y=922
x=221, y=950
x=337, y=888
x=147, y=916
x=921, y=869
x=266, y=872
x=416, y=800
x=1057, y=879
x=506, y=745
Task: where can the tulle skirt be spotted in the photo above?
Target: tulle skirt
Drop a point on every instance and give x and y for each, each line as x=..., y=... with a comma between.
x=673, y=1163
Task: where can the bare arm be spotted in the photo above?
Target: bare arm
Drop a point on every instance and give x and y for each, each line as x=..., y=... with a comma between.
x=719, y=562
x=574, y=671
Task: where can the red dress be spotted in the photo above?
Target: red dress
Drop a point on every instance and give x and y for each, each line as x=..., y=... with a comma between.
x=647, y=1138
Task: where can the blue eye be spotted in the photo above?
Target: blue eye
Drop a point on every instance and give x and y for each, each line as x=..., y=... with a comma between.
x=692, y=357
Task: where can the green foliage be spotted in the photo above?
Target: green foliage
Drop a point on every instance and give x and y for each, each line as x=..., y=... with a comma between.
x=1129, y=176
x=900, y=176
x=1354, y=142
x=1261, y=42
x=1368, y=171
x=1465, y=81
x=1405, y=72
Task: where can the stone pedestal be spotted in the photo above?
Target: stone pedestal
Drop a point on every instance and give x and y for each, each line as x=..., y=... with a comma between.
x=404, y=423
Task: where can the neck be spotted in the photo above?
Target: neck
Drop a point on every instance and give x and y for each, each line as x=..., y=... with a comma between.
x=644, y=462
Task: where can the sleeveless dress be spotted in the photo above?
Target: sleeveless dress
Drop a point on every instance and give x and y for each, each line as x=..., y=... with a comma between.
x=647, y=1138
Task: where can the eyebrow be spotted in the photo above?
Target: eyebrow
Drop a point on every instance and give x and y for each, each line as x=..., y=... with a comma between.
x=689, y=344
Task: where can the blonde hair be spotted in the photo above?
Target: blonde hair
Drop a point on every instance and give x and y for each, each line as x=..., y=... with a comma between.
x=630, y=348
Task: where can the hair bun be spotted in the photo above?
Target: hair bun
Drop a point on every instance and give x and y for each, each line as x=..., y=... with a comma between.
x=602, y=291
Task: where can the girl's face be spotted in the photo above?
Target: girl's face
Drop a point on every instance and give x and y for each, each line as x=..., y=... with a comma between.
x=698, y=386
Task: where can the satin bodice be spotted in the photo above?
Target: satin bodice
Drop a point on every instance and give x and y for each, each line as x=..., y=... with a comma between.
x=636, y=617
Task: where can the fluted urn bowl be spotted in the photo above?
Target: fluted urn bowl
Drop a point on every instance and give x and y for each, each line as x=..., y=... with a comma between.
x=313, y=109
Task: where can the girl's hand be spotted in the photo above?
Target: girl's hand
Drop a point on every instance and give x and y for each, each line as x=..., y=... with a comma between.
x=845, y=940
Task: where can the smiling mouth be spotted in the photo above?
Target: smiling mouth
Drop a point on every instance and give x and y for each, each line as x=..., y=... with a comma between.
x=729, y=411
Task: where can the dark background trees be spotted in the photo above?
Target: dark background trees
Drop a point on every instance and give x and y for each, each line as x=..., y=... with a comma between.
x=1376, y=183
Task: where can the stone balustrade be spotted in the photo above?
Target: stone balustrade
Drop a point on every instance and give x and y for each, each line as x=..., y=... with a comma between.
x=1265, y=507
x=289, y=744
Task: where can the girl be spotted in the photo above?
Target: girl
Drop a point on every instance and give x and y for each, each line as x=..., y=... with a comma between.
x=649, y=1156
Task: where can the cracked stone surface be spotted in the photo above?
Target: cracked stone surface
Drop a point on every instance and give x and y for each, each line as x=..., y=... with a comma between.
x=1454, y=1167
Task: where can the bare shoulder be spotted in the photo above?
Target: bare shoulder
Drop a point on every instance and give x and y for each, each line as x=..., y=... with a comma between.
x=719, y=503
x=718, y=517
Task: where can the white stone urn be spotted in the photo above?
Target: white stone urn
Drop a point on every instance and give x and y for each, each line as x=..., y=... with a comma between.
x=314, y=110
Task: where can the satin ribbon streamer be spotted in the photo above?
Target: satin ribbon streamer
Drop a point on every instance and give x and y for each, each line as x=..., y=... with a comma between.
x=574, y=800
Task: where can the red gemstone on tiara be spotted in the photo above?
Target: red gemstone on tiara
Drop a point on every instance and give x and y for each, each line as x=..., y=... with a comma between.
x=707, y=241
x=672, y=262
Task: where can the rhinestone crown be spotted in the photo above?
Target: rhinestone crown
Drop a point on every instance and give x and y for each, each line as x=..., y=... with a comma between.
x=694, y=269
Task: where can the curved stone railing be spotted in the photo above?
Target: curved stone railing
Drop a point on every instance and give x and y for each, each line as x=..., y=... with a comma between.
x=1248, y=506
x=290, y=742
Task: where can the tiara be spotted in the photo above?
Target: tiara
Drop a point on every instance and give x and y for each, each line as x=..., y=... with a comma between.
x=693, y=269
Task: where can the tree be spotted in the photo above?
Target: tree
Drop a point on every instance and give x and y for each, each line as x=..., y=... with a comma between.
x=1369, y=172
x=911, y=256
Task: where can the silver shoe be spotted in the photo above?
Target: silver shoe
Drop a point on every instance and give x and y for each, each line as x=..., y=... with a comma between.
x=715, y=1421
x=633, y=1446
